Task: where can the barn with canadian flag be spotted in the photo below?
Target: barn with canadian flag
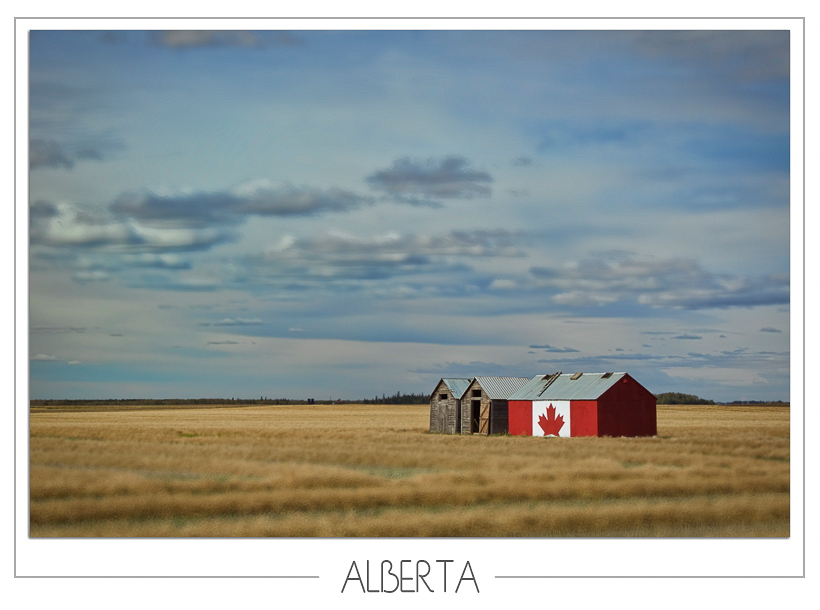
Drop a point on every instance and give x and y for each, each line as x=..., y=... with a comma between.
x=582, y=404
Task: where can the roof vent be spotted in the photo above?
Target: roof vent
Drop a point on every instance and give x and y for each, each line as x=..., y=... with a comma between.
x=550, y=379
x=606, y=375
x=575, y=376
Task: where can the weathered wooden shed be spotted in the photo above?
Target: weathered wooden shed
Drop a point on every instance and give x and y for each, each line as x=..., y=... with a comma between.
x=583, y=404
x=445, y=405
x=484, y=405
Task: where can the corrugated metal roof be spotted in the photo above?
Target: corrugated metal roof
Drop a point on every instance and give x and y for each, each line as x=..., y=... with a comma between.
x=500, y=388
x=457, y=385
x=589, y=386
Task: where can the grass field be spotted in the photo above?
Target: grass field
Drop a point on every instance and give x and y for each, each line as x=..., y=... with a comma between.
x=362, y=470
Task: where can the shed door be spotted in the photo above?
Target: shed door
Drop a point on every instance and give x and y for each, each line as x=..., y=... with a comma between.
x=442, y=417
x=484, y=420
x=475, y=416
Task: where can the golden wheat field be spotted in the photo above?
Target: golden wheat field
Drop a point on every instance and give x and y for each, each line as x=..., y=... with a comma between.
x=364, y=470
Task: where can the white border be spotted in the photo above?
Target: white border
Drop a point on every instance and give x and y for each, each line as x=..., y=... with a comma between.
x=330, y=559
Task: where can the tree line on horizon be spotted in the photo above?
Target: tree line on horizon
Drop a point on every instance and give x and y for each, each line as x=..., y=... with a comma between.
x=679, y=398
x=396, y=399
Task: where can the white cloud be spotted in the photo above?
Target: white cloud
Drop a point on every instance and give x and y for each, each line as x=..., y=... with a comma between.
x=83, y=227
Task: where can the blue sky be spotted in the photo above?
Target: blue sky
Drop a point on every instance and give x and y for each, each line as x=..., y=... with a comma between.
x=349, y=213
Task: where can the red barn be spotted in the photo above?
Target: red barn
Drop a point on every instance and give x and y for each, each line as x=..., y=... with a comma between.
x=583, y=404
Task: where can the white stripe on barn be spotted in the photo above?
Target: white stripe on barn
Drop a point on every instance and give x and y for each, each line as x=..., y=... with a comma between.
x=549, y=414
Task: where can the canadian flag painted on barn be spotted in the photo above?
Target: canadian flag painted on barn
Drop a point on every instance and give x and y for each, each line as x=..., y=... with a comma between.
x=551, y=417
x=583, y=404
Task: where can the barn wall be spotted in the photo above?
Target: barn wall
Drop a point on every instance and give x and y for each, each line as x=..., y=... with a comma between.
x=584, y=420
x=627, y=409
x=520, y=417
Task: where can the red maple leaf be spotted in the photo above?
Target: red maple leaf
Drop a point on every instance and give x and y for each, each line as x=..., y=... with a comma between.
x=550, y=424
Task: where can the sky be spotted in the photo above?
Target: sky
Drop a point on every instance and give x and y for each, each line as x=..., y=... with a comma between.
x=346, y=214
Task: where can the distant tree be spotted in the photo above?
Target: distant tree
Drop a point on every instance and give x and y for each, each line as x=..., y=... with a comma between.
x=678, y=398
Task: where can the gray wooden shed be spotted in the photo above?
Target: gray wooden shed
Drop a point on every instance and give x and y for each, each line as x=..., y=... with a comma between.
x=445, y=405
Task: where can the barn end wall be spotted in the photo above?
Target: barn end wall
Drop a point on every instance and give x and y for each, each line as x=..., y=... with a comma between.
x=627, y=409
